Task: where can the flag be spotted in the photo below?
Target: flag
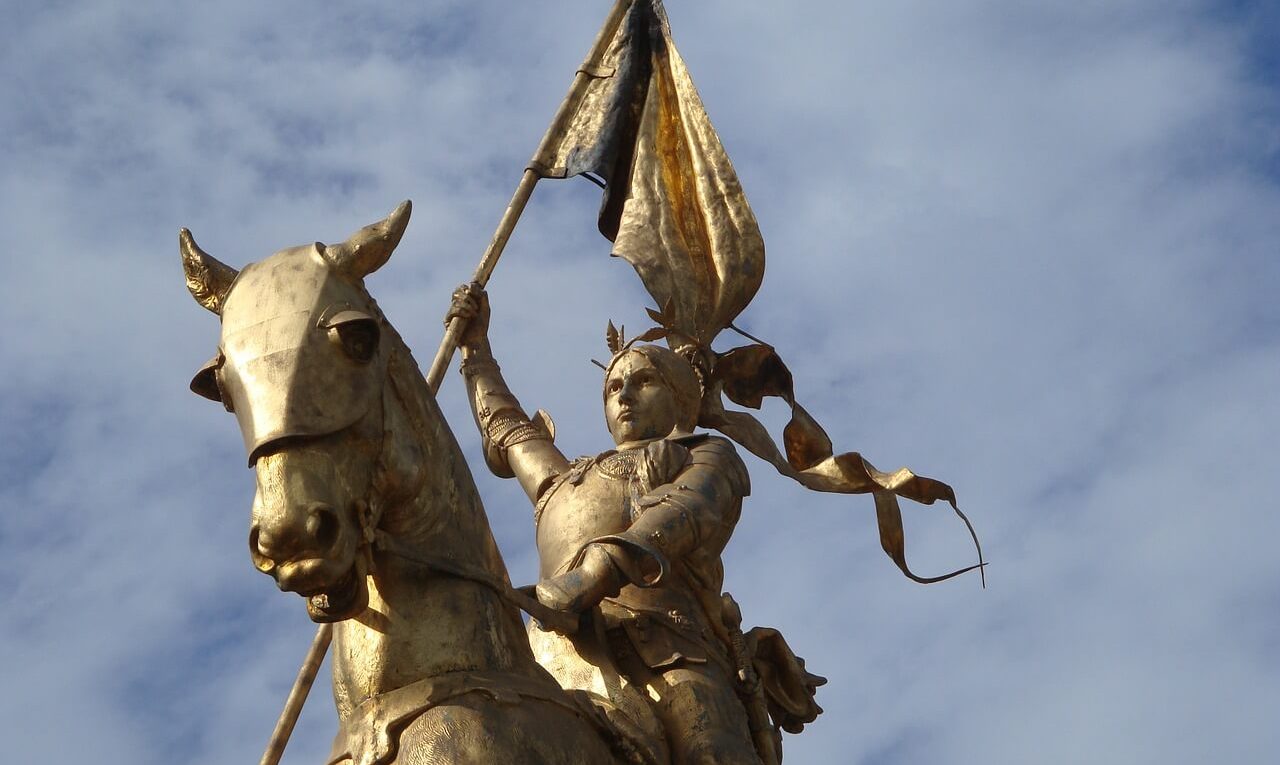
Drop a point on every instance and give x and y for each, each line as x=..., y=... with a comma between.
x=673, y=206
x=674, y=209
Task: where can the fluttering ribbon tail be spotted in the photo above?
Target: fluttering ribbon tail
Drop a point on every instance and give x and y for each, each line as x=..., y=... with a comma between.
x=746, y=376
x=675, y=210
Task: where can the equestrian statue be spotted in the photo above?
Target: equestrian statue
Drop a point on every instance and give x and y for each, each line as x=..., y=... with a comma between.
x=366, y=507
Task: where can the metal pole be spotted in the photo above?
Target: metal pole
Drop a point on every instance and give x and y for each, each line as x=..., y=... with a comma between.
x=449, y=344
x=297, y=696
x=568, y=107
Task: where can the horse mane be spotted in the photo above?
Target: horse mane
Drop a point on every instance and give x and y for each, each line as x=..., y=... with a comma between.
x=450, y=512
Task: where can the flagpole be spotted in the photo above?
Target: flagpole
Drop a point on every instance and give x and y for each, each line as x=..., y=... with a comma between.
x=590, y=68
x=298, y=695
x=449, y=343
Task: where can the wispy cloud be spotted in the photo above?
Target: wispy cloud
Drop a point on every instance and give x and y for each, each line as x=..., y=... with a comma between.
x=1028, y=249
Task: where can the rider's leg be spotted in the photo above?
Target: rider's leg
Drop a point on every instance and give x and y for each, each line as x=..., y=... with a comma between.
x=705, y=721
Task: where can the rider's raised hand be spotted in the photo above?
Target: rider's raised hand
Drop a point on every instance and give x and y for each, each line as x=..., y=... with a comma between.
x=470, y=303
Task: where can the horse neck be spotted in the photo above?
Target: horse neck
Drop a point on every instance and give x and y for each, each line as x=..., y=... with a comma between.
x=420, y=623
x=444, y=515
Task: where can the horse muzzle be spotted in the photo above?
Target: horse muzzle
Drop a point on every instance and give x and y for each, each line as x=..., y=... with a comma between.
x=334, y=587
x=341, y=600
x=313, y=552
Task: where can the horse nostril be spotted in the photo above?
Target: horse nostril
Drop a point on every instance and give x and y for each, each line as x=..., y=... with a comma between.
x=261, y=560
x=322, y=525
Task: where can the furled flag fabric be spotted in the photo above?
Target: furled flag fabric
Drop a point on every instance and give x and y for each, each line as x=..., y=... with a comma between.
x=673, y=205
x=675, y=210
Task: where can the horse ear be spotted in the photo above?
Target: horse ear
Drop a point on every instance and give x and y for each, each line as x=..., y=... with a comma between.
x=208, y=279
x=369, y=248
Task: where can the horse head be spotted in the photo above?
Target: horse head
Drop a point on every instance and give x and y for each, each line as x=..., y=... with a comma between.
x=302, y=362
x=365, y=506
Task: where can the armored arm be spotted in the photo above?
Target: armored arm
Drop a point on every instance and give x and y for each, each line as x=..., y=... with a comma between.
x=697, y=508
x=514, y=444
x=694, y=510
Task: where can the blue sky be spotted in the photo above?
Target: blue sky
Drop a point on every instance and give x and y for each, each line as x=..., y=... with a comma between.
x=1027, y=248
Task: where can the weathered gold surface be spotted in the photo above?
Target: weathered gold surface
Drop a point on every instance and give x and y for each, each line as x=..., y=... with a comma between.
x=675, y=209
x=631, y=538
x=366, y=507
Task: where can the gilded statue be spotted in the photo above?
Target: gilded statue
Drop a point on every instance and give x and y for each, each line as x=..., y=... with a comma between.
x=366, y=508
x=632, y=538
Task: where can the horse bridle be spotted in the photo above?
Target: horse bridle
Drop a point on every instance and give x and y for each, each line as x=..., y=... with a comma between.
x=369, y=516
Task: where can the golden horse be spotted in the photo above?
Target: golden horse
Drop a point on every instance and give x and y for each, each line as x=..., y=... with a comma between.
x=365, y=506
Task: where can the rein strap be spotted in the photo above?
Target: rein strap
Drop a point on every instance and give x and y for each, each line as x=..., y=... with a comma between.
x=560, y=621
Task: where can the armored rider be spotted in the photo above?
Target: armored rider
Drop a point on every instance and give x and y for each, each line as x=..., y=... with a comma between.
x=636, y=531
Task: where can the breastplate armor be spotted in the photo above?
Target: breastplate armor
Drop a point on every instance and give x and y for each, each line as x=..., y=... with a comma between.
x=598, y=496
x=590, y=500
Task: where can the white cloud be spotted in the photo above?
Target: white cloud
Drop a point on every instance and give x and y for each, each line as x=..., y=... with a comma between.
x=1028, y=249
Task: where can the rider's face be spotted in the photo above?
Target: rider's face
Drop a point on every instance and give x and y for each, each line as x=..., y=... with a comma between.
x=638, y=405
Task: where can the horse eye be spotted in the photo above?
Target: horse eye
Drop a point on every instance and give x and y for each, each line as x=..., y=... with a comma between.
x=357, y=337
